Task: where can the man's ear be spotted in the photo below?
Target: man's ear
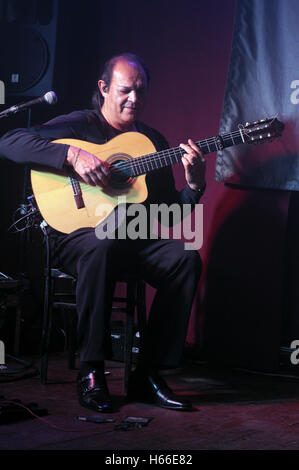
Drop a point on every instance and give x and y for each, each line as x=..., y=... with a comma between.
x=103, y=88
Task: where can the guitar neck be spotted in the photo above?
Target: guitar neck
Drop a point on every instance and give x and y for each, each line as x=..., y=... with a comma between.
x=155, y=161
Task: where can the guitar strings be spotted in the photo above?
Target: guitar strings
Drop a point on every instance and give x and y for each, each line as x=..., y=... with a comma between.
x=176, y=152
x=158, y=156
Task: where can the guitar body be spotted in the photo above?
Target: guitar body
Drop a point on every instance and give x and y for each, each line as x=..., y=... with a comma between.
x=54, y=192
x=67, y=203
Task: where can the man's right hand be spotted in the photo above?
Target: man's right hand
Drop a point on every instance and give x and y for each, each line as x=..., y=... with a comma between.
x=92, y=170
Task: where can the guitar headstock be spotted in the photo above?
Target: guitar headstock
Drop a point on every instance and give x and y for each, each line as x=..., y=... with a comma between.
x=262, y=131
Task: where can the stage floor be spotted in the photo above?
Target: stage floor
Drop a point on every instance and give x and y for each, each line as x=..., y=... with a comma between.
x=233, y=410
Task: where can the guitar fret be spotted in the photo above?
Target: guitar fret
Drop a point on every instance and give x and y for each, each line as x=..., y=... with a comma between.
x=206, y=147
x=216, y=143
x=231, y=136
x=165, y=160
x=150, y=165
x=179, y=157
x=141, y=169
x=155, y=162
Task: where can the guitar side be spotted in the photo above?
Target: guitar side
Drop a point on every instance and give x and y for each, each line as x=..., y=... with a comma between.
x=55, y=196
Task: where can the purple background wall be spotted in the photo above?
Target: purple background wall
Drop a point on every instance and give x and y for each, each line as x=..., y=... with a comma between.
x=237, y=313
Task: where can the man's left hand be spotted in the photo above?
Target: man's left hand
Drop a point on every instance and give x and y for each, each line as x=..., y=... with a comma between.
x=195, y=165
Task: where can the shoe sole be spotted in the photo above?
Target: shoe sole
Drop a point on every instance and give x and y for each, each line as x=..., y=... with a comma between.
x=96, y=408
x=131, y=399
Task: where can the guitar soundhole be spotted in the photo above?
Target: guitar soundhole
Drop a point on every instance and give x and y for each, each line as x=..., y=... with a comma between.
x=121, y=174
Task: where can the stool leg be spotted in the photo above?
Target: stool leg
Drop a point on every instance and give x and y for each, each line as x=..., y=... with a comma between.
x=17, y=331
x=72, y=339
x=141, y=311
x=46, y=331
x=129, y=331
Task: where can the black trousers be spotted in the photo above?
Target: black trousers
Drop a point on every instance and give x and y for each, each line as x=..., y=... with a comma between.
x=164, y=264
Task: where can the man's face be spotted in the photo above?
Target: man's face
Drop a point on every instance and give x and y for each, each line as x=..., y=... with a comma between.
x=126, y=96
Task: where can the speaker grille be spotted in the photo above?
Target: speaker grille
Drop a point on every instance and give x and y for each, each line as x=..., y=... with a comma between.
x=19, y=46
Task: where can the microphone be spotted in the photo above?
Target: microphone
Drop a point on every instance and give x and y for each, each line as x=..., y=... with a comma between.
x=49, y=98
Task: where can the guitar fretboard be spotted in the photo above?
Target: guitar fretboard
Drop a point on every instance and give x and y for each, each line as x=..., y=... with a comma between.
x=155, y=161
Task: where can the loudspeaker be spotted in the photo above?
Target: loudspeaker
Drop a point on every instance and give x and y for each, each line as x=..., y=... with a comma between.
x=50, y=45
x=29, y=35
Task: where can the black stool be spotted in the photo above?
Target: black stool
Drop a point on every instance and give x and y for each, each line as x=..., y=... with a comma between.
x=133, y=300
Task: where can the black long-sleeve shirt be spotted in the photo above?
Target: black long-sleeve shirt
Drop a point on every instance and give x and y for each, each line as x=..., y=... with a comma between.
x=34, y=146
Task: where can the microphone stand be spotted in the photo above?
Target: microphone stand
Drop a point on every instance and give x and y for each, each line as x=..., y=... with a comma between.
x=5, y=113
x=22, y=283
x=23, y=236
x=24, y=196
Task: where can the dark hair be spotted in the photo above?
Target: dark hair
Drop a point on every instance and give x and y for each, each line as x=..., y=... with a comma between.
x=106, y=75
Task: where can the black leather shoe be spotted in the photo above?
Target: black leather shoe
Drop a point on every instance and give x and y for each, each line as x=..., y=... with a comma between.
x=153, y=389
x=93, y=392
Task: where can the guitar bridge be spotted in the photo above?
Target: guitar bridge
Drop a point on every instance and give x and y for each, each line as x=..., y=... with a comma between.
x=76, y=191
x=79, y=201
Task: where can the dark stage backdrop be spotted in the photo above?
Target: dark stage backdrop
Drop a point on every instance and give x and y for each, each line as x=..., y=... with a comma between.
x=237, y=313
x=263, y=83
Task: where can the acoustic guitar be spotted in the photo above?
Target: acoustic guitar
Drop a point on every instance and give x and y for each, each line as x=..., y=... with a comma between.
x=67, y=203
